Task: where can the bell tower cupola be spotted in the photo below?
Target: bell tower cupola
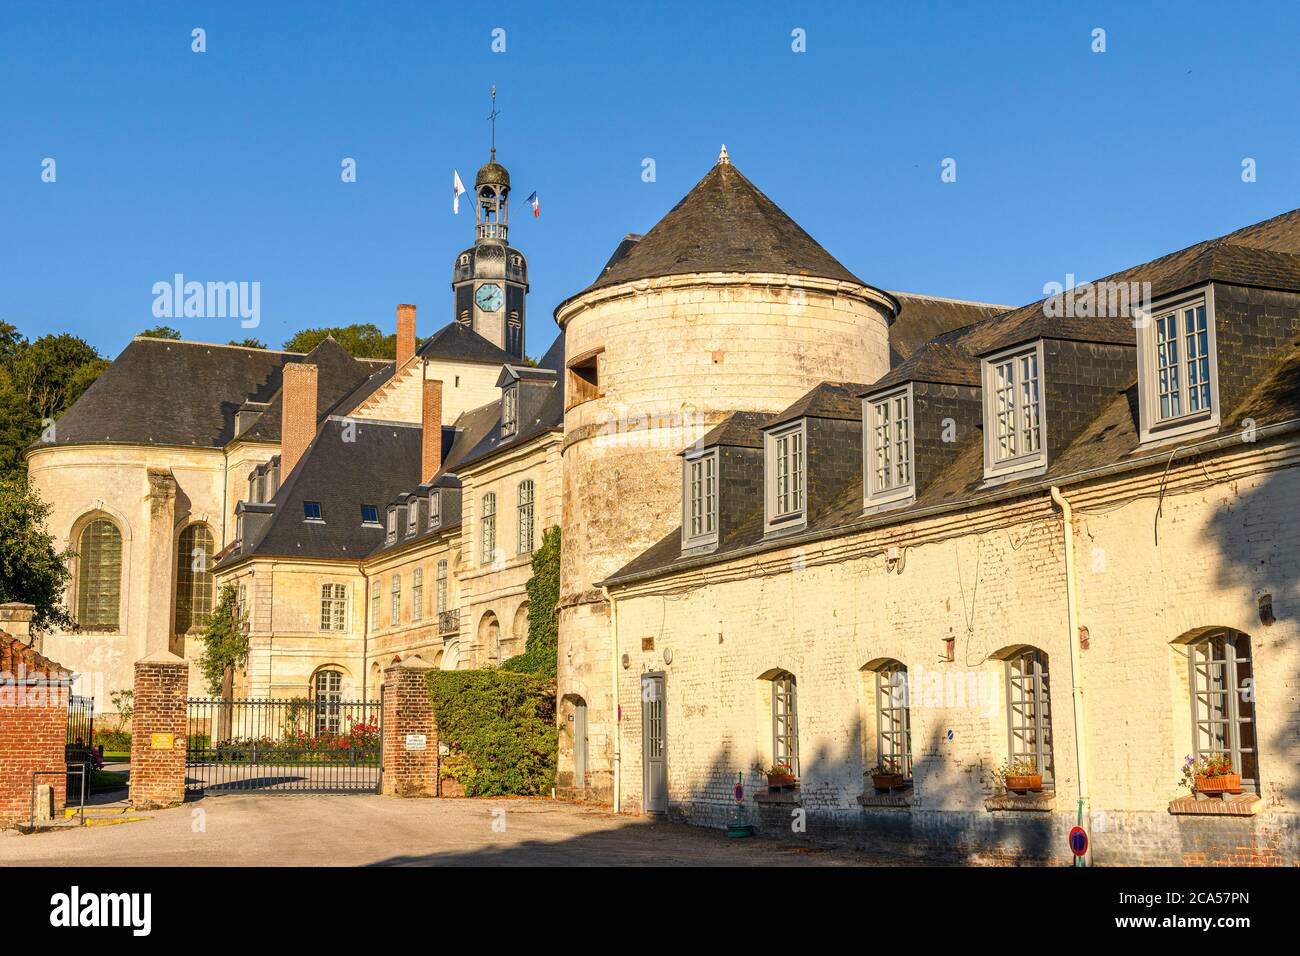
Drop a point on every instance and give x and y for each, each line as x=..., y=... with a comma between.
x=490, y=279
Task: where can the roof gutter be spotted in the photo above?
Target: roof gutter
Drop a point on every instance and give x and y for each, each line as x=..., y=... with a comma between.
x=901, y=517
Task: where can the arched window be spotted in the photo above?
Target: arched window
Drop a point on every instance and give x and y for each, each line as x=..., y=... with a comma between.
x=785, y=722
x=1223, y=701
x=893, y=719
x=489, y=637
x=99, y=576
x=489, y=527
x=327, y=692
x=526, y=535
x=1029, y=710
x=193, y=578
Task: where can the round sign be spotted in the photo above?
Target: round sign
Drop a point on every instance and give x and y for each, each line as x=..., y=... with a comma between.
x=740, y=793
x=1078, y=841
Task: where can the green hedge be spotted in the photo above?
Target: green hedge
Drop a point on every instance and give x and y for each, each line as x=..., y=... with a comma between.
x=500, y=728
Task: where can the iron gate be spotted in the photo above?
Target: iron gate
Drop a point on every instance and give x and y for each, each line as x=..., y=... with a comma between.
x=284, y=746
x=77, y=745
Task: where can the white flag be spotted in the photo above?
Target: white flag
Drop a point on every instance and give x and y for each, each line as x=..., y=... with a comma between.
x=457, y=189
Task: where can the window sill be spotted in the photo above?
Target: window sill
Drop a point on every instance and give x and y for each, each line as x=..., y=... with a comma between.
x=1243, y=805
x=789, y=797
x=894, y=800
x=1044, y=802
x=1001, y=476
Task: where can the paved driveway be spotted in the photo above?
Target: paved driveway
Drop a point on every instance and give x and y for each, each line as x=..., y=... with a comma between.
x=271, y=830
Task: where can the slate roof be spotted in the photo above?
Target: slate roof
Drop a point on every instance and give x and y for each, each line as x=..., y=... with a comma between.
x=724, y=224
x=342, y=475
x=167, y=392
x=922, y=317
x=1262, y=255
x=459, y=343
x=825, y=400
x=338, y=374
x=737, y=430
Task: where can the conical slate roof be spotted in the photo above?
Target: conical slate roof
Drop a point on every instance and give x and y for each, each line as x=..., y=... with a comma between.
x=724, y=224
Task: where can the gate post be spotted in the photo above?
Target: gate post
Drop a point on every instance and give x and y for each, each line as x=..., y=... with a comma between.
x=410, y=735
x=158, y=731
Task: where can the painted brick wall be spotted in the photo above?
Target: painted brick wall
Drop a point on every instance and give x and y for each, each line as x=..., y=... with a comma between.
x=1157, y=557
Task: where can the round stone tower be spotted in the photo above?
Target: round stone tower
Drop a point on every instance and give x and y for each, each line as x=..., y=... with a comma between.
x=725, y=305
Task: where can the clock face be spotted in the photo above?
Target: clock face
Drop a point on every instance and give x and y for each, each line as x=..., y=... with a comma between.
x=488, y=296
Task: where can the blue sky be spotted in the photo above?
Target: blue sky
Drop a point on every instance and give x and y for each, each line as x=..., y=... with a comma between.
x=225, y=166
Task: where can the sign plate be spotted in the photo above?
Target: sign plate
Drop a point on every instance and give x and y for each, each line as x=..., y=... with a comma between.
x=416, y=742
x=162, y=741
x=1078, y=841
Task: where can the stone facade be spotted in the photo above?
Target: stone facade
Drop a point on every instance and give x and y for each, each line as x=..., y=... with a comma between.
x=675, y=355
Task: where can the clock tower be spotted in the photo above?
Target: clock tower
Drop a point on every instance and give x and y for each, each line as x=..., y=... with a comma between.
x=490, y=279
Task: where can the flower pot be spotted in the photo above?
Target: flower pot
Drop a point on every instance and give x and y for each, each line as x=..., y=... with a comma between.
x=780, y=781
x=887, y=781
x=1024, y=783
x=1224, y=783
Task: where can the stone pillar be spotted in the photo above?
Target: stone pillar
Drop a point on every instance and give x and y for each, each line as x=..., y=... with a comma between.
x=410, y=735
x=158, y=732
x=161, y=557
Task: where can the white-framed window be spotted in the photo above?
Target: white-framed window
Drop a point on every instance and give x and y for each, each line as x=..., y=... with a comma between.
x=1222, y=685
x=328, y=694
x=700, y=499
x=374, y=606
x=1029, y=710
x=489, y=541
x=435, y=509
x=391, y=534
x=395, y=602
x=441, y=581
x=412, y=517
x=785, y=722
x=526, y=522
x=333, y=607
x=786, y=476
x=509, y=409
x=1014, y=430
x=1178, y=380
x=888, y=450
x=417, y=594
x=893, y=719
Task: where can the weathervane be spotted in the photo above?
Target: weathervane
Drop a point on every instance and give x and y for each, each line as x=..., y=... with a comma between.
x=493, y=117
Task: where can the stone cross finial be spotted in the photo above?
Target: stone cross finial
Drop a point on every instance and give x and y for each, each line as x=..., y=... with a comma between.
x=723, y=158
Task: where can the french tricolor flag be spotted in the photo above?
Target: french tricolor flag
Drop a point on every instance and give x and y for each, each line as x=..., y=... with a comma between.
x=535, y=203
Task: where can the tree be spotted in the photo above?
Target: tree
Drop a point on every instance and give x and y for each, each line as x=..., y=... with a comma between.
x=160, y=332
x=249, y=343
x=31, y=571
x=360, y=341
x=39, y=381
x=225, y=641
x=540, y=652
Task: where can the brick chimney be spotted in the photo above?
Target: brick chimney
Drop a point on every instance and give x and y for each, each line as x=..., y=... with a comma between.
x=405, y=333
x=431, y=426
x=16, y=618
x=298, y=414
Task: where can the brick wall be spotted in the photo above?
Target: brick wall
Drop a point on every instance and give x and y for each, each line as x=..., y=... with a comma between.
x=408, y=710
x=158, y=732
x=33, y=727
x=1158, y=556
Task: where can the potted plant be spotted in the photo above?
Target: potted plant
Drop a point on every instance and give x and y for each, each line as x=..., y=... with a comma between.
x=1211, y=774
x=885, y=777
x=780, y=776
x=1021, y=775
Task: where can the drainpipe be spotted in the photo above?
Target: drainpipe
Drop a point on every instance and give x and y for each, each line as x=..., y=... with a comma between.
x=1072, y=614
x=613, y=690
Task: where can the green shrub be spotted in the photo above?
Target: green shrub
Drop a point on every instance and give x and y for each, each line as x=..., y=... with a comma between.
x=113, y=741
x=500, y=729
x=540, y=651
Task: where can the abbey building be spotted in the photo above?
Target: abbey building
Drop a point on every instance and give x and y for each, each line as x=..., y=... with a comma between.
x=865, y=549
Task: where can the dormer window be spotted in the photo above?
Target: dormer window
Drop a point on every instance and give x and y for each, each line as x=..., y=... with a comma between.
x=435, y=509
x=509, y=409
x=369, y=515
x=391, y=534
x=700, y=500
x=311, y=511
x=1178, y=381
x=786, y=476
x=412, y=517
x=888, y=449
x=1013, y=411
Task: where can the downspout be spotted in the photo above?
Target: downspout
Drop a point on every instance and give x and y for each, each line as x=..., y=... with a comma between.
x=615, y=714
x=1072, y=614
